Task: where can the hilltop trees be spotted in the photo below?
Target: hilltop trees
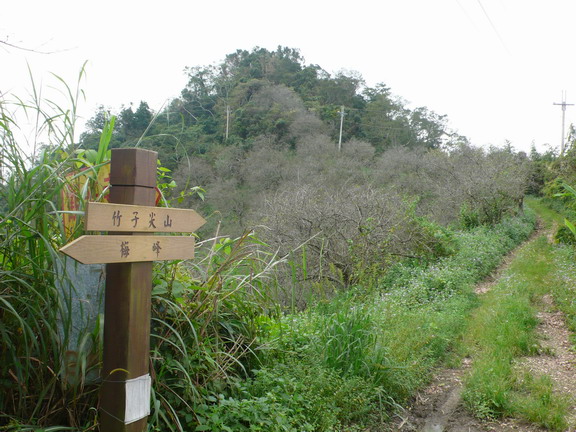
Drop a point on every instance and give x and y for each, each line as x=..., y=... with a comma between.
x=130, y=125
x=275, y=93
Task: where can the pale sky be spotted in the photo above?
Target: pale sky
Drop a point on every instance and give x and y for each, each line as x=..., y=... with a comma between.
x=494, y=67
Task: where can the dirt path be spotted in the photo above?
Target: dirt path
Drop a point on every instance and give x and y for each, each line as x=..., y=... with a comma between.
x=439, y=408
x=557, y=359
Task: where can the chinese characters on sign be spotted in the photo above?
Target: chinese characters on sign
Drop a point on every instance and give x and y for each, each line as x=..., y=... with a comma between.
x=152, y=220
x=133, y=218
x=124, y=249
x=156, y=248
x=129, y=248
x=116, y=218
x=168, y=222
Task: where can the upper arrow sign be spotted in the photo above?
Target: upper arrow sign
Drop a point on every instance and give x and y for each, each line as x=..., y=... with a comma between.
x=104, y=249
x=132, y=218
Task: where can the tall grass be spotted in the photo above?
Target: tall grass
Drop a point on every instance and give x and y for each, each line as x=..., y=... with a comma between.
x=32, y=357
x=209, y=322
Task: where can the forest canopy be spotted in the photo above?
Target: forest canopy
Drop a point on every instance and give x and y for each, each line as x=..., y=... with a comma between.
x=275, y=94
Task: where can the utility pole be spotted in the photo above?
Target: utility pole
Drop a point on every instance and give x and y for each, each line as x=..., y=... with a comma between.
x=341, y=125
x=563, y=104
x=227, y=121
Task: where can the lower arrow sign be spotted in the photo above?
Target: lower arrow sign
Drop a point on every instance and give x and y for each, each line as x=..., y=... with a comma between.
x=107, y=249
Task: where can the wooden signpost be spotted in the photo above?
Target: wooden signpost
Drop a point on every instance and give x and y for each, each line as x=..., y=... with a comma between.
x=128, y=252
x=126, y=248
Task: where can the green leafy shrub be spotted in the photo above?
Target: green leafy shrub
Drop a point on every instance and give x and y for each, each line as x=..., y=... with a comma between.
x=209, y=319
x=478, y=251
x=469, y=218
x=248, y=414
x=565, y=236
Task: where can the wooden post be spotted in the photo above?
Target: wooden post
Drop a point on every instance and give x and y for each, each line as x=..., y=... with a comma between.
x=127, y=301
x=129, y=249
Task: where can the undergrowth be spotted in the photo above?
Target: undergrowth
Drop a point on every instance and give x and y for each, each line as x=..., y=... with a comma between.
x=351, y=361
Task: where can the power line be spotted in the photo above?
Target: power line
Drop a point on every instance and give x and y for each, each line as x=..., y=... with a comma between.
x=493, y=27
x=468, y=15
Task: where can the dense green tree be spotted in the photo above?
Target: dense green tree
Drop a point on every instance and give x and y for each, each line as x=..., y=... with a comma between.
x=134, y=123
x=385, y=120
x=90, y=138
x=429, y=128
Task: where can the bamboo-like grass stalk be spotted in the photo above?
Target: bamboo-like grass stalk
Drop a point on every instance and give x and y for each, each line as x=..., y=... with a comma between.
x=33, y=391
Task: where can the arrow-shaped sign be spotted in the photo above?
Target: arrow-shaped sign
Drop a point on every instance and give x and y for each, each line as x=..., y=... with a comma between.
x=129, y=248
x=133, y=218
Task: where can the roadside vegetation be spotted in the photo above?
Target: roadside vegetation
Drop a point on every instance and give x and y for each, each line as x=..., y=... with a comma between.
x=327, y=285
x=501, y=331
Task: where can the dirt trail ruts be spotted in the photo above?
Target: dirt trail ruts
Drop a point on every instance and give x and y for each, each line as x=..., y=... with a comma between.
x=557, y=360
x=439, y=408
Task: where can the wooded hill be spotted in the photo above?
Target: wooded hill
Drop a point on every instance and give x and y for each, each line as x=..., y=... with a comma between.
x=260, y=131
x=261, y=120
x=272, y=94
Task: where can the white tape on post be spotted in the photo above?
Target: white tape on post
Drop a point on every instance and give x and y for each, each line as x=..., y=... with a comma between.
x=137, y=398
